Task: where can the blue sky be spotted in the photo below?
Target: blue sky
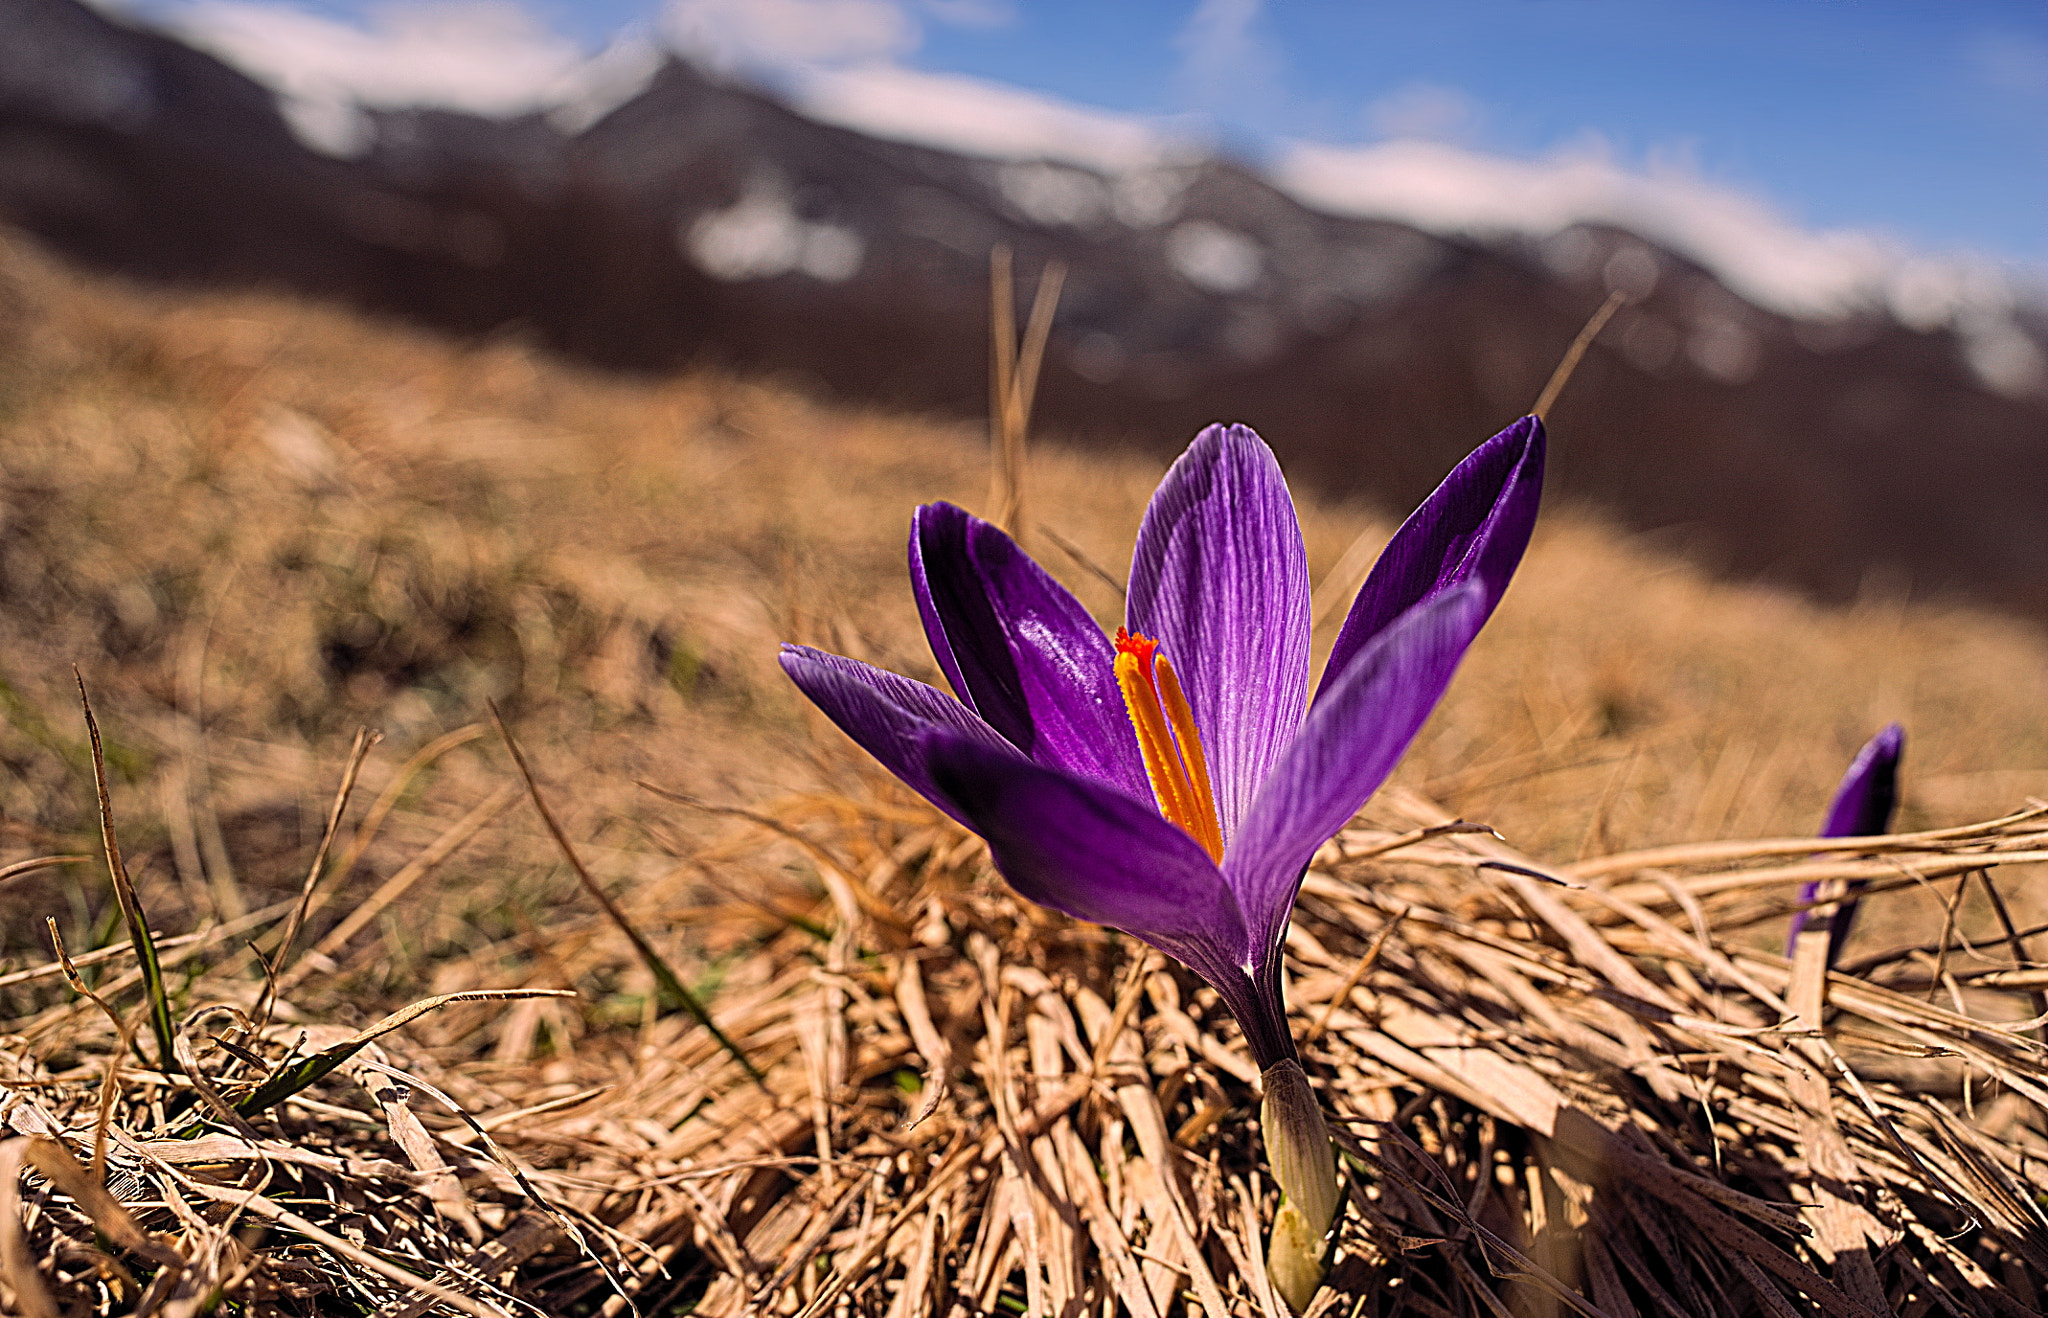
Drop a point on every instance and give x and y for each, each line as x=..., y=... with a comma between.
x=1924, y=121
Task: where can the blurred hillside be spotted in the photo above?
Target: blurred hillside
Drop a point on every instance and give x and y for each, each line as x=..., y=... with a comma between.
x=1897, y=446
x=255, y=524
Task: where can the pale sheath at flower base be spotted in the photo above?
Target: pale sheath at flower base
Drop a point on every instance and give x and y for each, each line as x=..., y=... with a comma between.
x=1862, y=807
x=1174, y=780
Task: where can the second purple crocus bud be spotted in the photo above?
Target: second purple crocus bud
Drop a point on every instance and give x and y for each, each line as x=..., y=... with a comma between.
x=1862, y=807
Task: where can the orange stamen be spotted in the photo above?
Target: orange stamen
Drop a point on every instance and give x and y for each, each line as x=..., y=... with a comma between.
x=1182, y=717
x=1167, y=739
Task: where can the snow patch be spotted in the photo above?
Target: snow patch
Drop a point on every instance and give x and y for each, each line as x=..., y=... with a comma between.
x=1053, y=195
x=761, y=236
x=1214, y=258
x=1811, y=275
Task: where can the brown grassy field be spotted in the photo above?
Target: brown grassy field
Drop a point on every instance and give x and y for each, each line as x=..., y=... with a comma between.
x=255, y=526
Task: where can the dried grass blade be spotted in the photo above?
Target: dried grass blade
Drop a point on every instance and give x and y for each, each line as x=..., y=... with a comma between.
x=1083, y=560
x=1031, y=358
x=1586, y=944
x=295, y=1076
x=1126, y=1278
x=17, y=1266
x=2014, y=939
x=526, y=1235
x=271, y=1211
x=837, y=874
x=390, y=1094
x=1006, y=478
x=9, y=873
x=1696, y=853
x=956, y=1162
x=1247, y=1252
x=674, y=994
x=387, y=800
x=1358, y=972
x=1127, y=1000
x=1734, y=1236
x=440, y=849
x=185, y=945
x=562, y=1221
x=931, y=1045
x=1570, y=362
x=122, y=1029
x=1841, y=1224
x=1996, y=1195
x=366, y=740
x=54, y=1161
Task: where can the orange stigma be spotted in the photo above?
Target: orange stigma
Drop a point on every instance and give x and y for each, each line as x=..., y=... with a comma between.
x=1167, y=739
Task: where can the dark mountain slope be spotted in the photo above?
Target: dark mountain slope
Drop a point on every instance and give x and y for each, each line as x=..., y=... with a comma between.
x=702, y=223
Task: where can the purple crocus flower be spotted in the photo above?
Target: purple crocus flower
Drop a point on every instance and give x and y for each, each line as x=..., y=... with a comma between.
x=1175, y=781
x=1862, y=808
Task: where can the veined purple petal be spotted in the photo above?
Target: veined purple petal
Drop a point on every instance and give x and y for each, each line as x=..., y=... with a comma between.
x=1080, y=847
x=891, y=717
x=1020, y=649
x=1475, y=525
x=1089, y=850
x=1862, y=807
x=1220, y=580
x=1355, y=734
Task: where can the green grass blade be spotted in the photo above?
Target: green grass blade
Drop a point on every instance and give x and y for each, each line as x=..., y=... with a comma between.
x=672, y=994
x=295, y=1075
x=131, y=907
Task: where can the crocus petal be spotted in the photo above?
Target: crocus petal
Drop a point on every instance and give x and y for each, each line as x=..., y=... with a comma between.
x=1079, y=847
x=891, y=717
x=1020, y=649
x=1475, y=526
x=1869, y=790
x=1862, y=807
x=1354, y=736
x=1220, y=580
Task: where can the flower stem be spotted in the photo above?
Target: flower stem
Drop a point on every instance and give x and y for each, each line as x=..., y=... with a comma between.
x=1303, y=1163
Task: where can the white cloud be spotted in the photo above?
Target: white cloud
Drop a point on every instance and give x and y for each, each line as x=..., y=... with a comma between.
x=957, y=113
x=484, y=56
x=780, y=34
x=840, y=61
x=1225, y=59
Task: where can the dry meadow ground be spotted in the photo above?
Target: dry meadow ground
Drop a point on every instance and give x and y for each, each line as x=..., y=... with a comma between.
x=255, y=526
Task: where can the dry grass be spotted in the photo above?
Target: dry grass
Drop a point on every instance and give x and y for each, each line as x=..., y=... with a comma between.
x=256, y=526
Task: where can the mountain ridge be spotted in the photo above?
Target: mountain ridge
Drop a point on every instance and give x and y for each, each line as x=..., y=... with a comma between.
x=703, y=223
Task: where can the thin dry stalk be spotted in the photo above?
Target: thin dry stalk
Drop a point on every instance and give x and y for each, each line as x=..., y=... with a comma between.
x=1574, y=354
x=671, y=988
x=1014, y=371
x=366, y=741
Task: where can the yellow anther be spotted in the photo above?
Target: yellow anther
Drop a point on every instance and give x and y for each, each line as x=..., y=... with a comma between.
x=1167, y=740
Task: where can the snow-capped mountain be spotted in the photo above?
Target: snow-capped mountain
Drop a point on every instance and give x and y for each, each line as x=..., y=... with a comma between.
x=1811, y=407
